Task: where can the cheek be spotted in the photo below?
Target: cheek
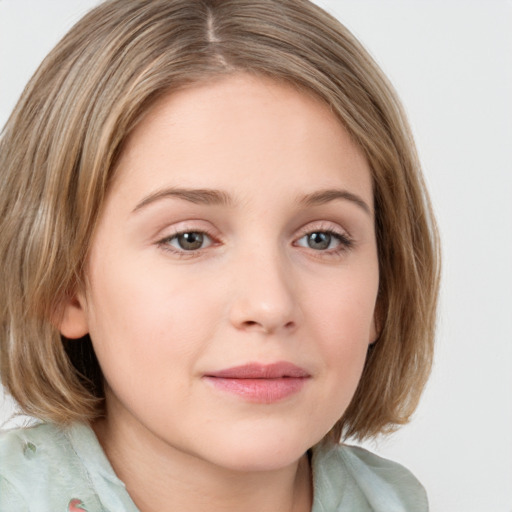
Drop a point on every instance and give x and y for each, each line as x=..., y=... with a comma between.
x=344, y=307
x=141, y=316
x=341, y=341
x=344, y=343
x=343, y=320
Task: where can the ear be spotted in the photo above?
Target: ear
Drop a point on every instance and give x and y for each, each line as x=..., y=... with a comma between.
x=71, y=318
x=376, y=326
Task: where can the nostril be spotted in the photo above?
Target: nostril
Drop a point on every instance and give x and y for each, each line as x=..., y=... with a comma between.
x=263, y=327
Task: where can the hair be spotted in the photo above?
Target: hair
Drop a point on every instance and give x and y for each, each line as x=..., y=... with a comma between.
x=58, y=153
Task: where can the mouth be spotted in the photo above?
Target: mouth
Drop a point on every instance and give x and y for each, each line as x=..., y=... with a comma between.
x=260, y=383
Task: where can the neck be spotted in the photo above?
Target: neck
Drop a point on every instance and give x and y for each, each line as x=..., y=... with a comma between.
x=159, y=477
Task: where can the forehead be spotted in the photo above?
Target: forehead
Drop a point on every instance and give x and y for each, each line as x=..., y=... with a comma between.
x=241, y=129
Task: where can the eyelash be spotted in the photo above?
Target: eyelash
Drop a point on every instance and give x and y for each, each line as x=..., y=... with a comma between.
x=345, y=242
x=164, y=244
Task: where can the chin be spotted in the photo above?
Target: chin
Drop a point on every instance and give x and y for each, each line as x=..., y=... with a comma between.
x=261, y=452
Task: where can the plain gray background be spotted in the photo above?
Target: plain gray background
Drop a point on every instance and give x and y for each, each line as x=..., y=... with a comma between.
x=451, y=64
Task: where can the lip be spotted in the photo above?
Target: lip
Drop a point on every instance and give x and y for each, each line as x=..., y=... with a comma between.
x=260, y=383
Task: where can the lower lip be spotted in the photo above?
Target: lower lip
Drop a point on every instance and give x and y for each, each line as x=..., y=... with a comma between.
x=264, y=391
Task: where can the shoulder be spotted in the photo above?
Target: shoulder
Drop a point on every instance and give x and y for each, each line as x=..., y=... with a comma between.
x=39, y=470
x=350, y=476
x=26, y=448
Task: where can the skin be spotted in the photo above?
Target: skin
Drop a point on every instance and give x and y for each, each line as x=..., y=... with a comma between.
x=260, y=288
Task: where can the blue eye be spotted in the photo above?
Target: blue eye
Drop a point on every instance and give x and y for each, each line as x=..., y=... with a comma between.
x=323, y=241
x=189, y=241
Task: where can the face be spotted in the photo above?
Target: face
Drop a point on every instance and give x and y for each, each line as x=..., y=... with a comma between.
x=232, y=279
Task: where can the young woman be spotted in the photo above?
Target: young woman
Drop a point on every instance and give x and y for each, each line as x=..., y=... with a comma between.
x=218, y=260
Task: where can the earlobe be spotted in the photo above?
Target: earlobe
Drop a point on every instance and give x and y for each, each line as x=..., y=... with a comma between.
x=71, y=318
x=375, y=328
x=374, y=334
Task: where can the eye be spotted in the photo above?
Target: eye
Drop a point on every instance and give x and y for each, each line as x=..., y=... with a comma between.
x=188, y=241
x=324, y=241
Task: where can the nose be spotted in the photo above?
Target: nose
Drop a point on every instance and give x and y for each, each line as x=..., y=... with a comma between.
x=264, y=298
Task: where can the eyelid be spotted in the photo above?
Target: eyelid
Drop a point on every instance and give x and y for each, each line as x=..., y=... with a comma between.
x=186, y=226
x=205, y=238
x=346, y=241
x=194, y=226
x=324, y=226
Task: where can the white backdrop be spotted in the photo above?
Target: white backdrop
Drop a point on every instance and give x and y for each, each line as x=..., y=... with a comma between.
x=451, y=61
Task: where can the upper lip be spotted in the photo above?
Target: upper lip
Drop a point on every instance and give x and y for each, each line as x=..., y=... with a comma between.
x=277, y=370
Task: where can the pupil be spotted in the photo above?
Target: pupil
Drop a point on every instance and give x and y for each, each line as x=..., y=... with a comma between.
x=190, y=241
x=319, y=240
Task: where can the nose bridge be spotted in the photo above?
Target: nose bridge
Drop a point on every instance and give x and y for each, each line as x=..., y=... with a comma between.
x=264, y=297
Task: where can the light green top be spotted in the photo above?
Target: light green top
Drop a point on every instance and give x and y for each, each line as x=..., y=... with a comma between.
x=47, y=469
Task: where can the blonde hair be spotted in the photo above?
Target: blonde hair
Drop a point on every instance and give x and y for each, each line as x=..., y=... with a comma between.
x=59, y=149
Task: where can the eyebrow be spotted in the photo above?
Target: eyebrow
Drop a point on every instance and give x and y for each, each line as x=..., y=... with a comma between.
x=197, y=196
x=328, y=195
x=212, y=197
